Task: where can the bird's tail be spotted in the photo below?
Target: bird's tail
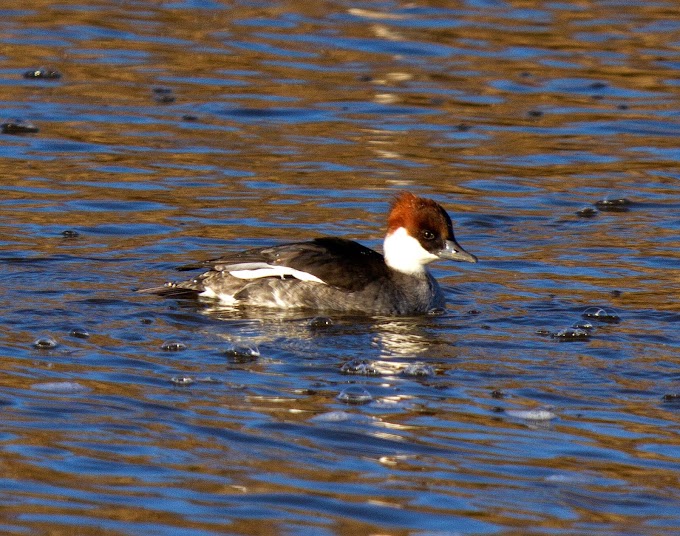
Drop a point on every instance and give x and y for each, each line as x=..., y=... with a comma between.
x=180, y=291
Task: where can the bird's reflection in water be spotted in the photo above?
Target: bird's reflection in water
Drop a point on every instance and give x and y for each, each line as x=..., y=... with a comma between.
x=390, y=344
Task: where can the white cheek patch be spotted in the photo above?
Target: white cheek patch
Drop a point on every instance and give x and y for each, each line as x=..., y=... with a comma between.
x=405, y=254
x=274, y=271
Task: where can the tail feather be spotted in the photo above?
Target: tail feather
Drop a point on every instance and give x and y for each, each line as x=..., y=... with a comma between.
x=202, y=265
x=173, y=290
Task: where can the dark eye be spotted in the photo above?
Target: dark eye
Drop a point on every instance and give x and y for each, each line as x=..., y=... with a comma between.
x=428, y=235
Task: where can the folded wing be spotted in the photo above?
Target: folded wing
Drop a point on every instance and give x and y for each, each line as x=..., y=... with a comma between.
x=337, y=262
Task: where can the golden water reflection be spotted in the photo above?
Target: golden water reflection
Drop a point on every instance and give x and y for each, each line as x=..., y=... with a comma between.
x=293, y=120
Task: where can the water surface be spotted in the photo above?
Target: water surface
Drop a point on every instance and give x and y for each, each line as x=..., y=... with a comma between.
x=180, y=130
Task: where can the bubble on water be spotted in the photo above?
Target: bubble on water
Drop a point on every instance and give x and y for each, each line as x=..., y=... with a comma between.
x=418, y=369
x=671, y=398
x=355, y=395
x=614, y=205
x=45, y=343
x=43, y=73
x=182, y=381
x=173, y=346
x=341, y=416
x=571, y=334
x=320, y=322
x=163, y=95
x=394, y=402
x=601, y=315
x=538, y=414
x=586, y=212
x=583, y=324
x=242, y=352
x=333, y=416
x=60, y=387
x=207, y=379
x=70, y=233
x=79, y=333
x=18, y=126
x=359, y=366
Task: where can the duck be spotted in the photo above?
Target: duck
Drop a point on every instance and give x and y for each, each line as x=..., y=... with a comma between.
x=336, y=274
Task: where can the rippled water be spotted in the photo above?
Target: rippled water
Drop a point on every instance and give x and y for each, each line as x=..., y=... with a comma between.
x=179, y=130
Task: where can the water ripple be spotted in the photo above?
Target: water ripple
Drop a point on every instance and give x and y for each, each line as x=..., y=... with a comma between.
x=178, y=131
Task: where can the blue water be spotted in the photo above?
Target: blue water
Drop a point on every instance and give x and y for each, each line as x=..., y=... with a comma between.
x=181, y=130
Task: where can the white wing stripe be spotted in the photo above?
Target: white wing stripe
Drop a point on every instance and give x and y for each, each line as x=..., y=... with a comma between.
x=275, y=271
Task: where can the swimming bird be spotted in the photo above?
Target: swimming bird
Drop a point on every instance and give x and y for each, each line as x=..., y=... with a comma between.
x=336, y=274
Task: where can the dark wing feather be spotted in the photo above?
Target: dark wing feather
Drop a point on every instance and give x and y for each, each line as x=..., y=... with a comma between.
x=338, y=262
